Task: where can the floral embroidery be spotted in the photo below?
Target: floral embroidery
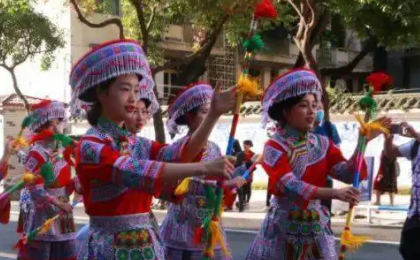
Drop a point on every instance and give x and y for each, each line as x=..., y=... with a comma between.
x=90, y=152
x=271, y=155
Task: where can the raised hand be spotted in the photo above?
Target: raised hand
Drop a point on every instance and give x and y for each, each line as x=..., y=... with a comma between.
x=222, y=167
x=66, y=207
x=349, y=194
x=408, y=131
x=236, y=182
x=223, y=101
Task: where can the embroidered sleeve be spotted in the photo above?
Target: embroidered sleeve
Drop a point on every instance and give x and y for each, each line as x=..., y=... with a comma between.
x=37, y=190
x=341, y=169
x=101, y=163
x=173, y=152
x=282, y=181
x=138, y=174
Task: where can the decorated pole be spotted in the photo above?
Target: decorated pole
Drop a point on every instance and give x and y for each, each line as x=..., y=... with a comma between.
x=368, y=105
x=246, y=86
x=30, y=237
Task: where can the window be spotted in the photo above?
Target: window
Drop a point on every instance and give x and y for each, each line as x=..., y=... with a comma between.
x=169, y=89
x=108, y=7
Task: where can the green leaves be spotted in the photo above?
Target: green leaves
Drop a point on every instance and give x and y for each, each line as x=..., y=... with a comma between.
x=395, y=23
x=25, y=33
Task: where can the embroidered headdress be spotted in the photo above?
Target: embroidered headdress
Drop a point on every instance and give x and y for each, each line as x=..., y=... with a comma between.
x=45, y=111
x=293, y=83
x=146, y=92
x=189, y=98
x=104, y=62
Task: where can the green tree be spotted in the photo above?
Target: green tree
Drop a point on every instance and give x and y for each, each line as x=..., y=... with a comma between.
x=386, y=23
x=148, y=20
x=24, y=34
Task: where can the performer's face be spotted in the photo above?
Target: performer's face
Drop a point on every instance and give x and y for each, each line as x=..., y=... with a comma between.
x=195, y=119
x=138, y=119
x=118, y=103
x=57, y=126
x=302, y=115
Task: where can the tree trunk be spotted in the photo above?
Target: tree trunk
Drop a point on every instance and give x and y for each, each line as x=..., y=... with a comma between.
x=380, y=59
x=17, y=90
x=190, y=72
x=158, y=121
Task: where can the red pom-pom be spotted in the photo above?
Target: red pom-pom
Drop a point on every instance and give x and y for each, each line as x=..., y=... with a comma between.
x=378, y=80
x=41, y=104
x=265, y=9
x=43, y=135
x=198, y=235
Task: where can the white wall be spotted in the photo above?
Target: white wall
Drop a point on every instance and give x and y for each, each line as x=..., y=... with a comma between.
x=251, y=129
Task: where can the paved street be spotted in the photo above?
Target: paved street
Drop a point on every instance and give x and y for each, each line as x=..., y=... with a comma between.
x=384, y=232
x=238, y=241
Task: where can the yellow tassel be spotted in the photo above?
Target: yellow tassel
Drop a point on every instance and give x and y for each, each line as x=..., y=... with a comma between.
x=367, y=128
x=351, y=241
x=182, y=188
x=28, y=178
x=21, y=142
x=249, y=86
x=47, y=225
x=216, y=237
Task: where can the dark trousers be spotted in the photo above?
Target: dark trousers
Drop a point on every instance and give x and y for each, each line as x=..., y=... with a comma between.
x=267, y=200
x=248, y=190
x=327, y=203
x=410, y=239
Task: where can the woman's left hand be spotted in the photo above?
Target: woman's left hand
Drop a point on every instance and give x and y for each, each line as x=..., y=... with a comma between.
x=223, y=101
x=236, y=182
x=385, y=123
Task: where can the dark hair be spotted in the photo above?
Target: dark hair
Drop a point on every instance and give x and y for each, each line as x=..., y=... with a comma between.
x=249, y=143
x=90, y=95
x=277, y=110
x=146, y=102
x=183, y=119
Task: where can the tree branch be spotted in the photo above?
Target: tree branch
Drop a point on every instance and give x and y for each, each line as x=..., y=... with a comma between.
x=143, y=27
x=152, y=18
x=349, y=67
x=296, y=9
x=205, y=48
x=16, y=87
x=82, y=19
x=319, y=28
x=312, y=11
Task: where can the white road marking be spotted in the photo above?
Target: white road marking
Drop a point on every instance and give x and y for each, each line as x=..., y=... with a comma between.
x=8, y=255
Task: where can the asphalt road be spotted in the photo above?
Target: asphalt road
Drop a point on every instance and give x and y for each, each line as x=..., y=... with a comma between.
x=238, y=242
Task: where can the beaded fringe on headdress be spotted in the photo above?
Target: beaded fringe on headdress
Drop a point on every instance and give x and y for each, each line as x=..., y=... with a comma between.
x=105, y=62
x=185, y=102
x=292, y=84
x=54, y=110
